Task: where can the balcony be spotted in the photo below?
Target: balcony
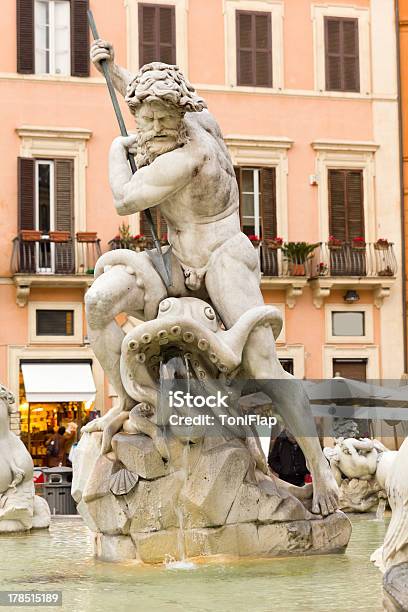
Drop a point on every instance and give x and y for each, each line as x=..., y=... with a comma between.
x=362, y=266
x=53, y=260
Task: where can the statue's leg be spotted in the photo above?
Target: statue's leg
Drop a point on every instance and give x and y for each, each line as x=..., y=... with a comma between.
x=233, y=285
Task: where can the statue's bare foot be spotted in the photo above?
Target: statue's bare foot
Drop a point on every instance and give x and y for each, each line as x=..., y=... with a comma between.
x=325, y=491
x=111, y=428
x=18, y=477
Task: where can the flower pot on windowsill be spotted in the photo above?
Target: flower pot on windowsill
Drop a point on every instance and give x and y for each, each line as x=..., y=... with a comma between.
x=335, y=247
x=386, y=272
x=297, y=269
x=86, y=236
x=59, y=236
x=273, y=245
x=382, y=245
x=358, y=247
x=30, y=235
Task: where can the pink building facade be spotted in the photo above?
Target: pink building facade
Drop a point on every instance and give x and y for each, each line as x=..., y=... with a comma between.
x=306, y=95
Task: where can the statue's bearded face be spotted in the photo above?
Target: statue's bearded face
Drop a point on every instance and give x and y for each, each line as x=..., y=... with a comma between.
x=160, y=129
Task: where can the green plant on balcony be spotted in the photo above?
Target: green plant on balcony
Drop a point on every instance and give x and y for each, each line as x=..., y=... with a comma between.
x=297, y=254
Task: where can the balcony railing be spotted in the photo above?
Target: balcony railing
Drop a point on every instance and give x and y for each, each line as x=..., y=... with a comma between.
x=55, y=253
x=347, y=259
x=368, y=260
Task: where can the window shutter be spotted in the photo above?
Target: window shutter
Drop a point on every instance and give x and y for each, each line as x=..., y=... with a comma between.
x=64, y=214
x=342, y=54
x=26, y=190
x=268, y=203
x=355, y=208
x=346, y=205
x=254, y=49
x=25, y=37
x=157, y=34
x=337, y=204
x=351, y=68
x=79, y=38
x=159, y=222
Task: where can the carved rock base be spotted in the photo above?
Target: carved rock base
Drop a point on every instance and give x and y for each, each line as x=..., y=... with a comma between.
x=212, y=502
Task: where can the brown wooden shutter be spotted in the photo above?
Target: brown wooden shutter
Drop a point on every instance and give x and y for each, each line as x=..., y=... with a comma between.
x=26, y=212
x=79, y=38
x=25, y=37
x=268, y=203
x=159, y=222
x=64, y=213
x=157, y=34
x=254, y=49
x=26, y=190
x=346, y=205
x=342, y=54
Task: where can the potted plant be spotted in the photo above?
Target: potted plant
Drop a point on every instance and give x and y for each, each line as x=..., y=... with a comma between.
x=30, y=235
x=297, y=253
x=386, y=272
x=358, y=244
x=164, y=240
x=86, y=236
x=273, y=243
x=322, y=269
x=59, y=236
x=382, y=244
x=334, y=243
x=254, y=239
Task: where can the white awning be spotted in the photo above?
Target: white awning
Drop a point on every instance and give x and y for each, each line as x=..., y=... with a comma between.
x=58, y=382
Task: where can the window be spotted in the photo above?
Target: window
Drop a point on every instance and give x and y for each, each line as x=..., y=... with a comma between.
x=346, y=222
x=257, y=190
x=254, y=48
x=287, y=365
x=342, y=54
x=157, y=34
x=53, y=37
x=54, y=322
x=46, y=204
x=355, y=369
x=348, y=323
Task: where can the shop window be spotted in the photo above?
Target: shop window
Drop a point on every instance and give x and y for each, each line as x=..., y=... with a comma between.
x=55, y=322
x=348, y=323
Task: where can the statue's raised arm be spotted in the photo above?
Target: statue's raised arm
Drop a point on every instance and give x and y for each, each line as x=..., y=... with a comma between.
x=103, y=50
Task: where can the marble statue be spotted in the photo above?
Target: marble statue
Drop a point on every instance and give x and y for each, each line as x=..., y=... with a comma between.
x=355, y=463
x=213, y=318
x=392, y=557
x=20, y=508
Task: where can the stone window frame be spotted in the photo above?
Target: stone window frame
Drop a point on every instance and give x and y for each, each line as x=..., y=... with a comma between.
x=76, y=338
x=368, y=337
x=265, y=152
x=132, y=27
x=276, y=9
x=370, y=353
x=297, y=353
x=38, y=142
x=318, y=13
x=359, y=155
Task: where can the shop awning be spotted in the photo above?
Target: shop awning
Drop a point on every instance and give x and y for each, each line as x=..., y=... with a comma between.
x=58, y=382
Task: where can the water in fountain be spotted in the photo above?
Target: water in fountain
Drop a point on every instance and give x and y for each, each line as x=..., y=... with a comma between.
x=381, y=509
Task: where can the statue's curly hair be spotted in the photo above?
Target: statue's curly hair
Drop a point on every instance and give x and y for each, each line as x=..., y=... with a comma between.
x=8, y=398
x=164, y=83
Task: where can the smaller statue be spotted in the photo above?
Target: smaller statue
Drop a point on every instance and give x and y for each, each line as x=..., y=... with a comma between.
x=20, y=508
x=354, y=463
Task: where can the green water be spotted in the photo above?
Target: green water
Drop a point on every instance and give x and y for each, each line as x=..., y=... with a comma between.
x=61, y=559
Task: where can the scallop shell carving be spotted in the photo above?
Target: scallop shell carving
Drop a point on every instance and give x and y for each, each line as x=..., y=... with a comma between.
x=123, y=481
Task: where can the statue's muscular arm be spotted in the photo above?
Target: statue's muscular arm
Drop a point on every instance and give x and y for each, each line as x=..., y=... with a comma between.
x=154, y=183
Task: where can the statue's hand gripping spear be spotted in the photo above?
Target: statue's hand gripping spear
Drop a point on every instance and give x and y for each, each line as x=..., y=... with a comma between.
x=160, y=260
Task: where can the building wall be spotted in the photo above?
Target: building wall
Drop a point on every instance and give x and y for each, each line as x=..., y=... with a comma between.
x=316, y=123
